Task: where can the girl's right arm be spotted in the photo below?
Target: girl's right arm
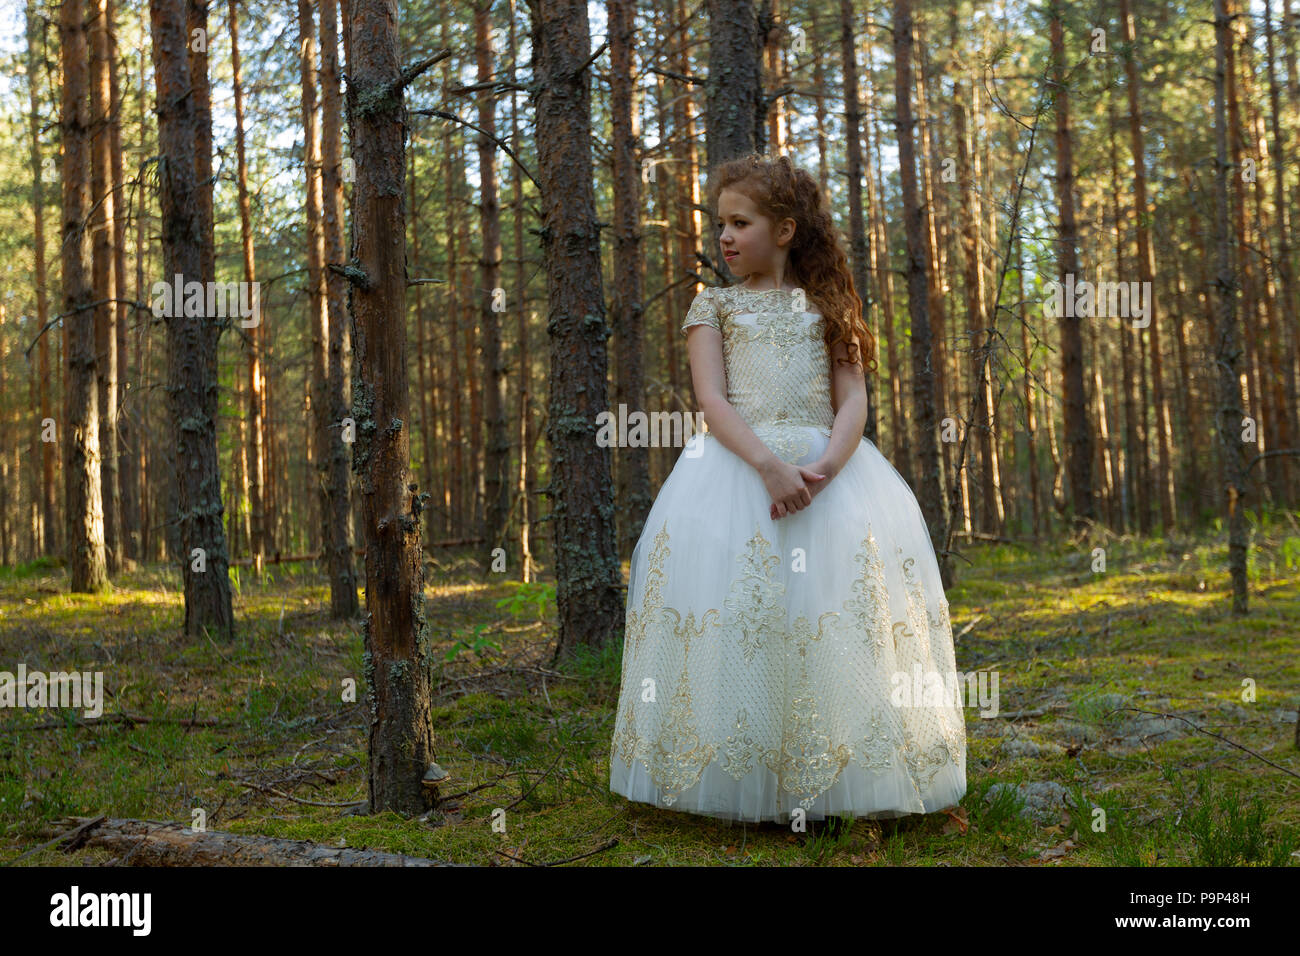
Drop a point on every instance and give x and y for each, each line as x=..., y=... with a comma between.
x=784, y=481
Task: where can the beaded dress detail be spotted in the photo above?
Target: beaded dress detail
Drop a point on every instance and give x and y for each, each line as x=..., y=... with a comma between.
x=803, y=666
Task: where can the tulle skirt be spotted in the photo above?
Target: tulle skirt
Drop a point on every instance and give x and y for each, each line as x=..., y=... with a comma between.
x=801, y=667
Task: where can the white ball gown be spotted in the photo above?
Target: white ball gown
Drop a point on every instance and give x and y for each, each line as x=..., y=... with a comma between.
x=772, y=665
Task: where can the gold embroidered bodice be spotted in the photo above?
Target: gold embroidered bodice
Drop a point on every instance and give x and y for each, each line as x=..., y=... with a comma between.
x=776, y=362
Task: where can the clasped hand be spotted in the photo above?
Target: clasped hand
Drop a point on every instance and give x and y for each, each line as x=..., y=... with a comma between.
x=793, y=487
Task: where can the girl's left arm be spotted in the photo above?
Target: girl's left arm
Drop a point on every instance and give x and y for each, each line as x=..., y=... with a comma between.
x=849, y=402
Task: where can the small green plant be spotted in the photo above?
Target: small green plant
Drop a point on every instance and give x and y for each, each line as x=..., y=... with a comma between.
x=828, y=836
x=1227, y=832
x=477, y=643
x=1291, y=552
x=29, y=569
x=528, y=598
x=1003, y=811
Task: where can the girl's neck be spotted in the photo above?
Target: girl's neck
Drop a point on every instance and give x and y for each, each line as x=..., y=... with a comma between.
x=767, y=284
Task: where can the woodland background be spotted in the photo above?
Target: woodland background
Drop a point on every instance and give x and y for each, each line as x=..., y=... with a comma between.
x=479, y=376
x=546, y=201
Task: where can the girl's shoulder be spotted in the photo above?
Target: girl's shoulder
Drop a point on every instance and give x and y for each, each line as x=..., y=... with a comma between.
x=715, y=305
x=707, y=308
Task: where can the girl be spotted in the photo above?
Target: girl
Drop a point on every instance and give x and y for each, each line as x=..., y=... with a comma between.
x=788, y=652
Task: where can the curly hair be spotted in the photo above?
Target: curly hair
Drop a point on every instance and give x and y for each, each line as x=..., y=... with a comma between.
x=781, y=189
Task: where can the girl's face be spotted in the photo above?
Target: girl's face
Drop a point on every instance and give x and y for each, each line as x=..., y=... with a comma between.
x=750, y=242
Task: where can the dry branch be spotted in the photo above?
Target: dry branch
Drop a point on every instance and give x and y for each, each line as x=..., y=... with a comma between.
x=153, y=843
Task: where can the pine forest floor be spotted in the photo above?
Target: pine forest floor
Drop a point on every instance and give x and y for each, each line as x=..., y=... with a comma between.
x=257, y=734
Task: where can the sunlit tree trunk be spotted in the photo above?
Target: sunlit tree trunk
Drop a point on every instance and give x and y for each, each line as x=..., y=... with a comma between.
x=335, y=454
x=49, y=511
x=83, y=504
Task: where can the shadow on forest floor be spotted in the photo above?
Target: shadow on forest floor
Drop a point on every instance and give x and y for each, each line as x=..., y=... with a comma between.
x=257, y=735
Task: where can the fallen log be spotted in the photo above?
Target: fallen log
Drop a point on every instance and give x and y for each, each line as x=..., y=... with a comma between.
x=155, y=843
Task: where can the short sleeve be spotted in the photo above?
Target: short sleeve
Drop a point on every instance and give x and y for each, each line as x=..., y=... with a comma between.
x=703, y=311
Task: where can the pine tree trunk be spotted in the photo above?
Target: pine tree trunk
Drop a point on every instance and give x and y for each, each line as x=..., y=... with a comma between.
x=1226, y=348
x=103, y=227
x=1132, y=492
x=587, y=572
x=49, y=512
x=8, y=479
x=737, y=113
x=426, y=425
x=191, y=339
x=1246, y=258
x=882, y=268
x=1290, y=403
x=525, y=482
x=496, y=473
x=935, y=275
x=256, y=425
x=83, y=504
x=1078, y=439
x=773, y=76
x=147, y=462
x=634, y=495
x=977, y=320
x=819, y=102
x=859, y=252
x=128, y=478
x=336, y=456
x=1031, y=403
x=318, y=296
x=456, y=524
x=1164, y=485
x=397, y=639
x=928, y=488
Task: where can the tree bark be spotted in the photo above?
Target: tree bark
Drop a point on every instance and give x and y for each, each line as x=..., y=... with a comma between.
x=336, y=457
x=935, y=275
x=496, y=473
x=1133, y=489
x=1078, y=439
x=397, y=638
x=737, y=112
x=49, y=516
x=883, y=276
x=1227, y=351
x=587, y=571
x=1287, y=403
x=103, y=228
x=83, y=504
x=923, y=378
x=318, y=294
x=525, y=479
x=634, y=494
x=256, y=427
x=977, y=320
x=1031, y=402
x=1146, y=273
x=858, y=243
x=191, y=339
x=426, y=424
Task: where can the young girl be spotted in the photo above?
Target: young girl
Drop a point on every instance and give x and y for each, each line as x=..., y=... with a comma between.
x=785, y=605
